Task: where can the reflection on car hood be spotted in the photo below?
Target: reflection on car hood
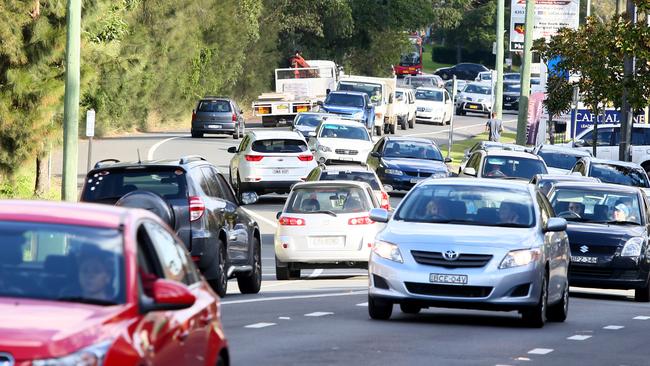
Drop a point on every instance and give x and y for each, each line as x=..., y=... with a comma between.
x=603, y=234
x=341, y=109
x=338, y=143
x=414, y=164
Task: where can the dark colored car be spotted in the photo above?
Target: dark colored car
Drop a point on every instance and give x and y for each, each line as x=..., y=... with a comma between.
x=560, y=159
x=511, y=93
x=84, y=284
x=402, y=162
x=200, y=206
x=217, y=115
x=613, y=171
x=608, y=233
x=463, y=71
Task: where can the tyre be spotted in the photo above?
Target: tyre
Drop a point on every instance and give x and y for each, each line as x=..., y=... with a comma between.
x=559, y=311
x=378, y=130
x=284, y=273
x=197, y=135
x=392, y=128
x=379, y=309
x=412, y=122
x=642, y=294
x=220, y=284
x=236, y=134
x=536, y=317
x=402, y=123
x=409, y=308
x=250, y=283
x=448, y=121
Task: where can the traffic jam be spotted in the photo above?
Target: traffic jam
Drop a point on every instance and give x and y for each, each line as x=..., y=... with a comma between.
x=135, y=272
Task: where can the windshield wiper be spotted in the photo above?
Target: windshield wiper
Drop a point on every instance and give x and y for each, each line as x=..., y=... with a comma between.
x=331, y=213
x=509, y=224
x=86, y=300
x=614, y=222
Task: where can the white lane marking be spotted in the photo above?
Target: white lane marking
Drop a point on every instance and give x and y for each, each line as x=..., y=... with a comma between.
x=319, y=313
x=613, y=327
x=280, y=298
x=259, y=325
x=155, y=147
x=316, y=273
x=579, y=337
x=540, y=351
x=522, y=359
x=641, y=317
x=363, y=304
x=284, y=318
x=260, y=217
x=455, y=129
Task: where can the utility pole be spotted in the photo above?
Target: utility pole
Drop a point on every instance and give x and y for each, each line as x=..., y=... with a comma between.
x=498, y=103
x=627, y=117
x=589, y=8
x=71, y=102
x=522, y=121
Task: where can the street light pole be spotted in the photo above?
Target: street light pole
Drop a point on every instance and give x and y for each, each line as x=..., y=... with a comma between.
x=627, y=117
x=522, y=121
x=498, y=103
x=71, y=102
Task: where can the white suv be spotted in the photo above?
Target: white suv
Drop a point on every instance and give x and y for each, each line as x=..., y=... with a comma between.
x=340, y=141
x=270, y=161
x=609, y=138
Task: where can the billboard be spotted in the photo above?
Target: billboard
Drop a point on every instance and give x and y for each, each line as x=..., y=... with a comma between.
x=550, y=16
x=585, y=119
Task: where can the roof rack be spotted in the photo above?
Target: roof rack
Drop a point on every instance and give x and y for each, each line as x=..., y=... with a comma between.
x=189, y=158
x=103, y=162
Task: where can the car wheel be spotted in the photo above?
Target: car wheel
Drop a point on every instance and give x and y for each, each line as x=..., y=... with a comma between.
x=197, y=135
x=409, y=308
x=221, y=361
x=235, y=135
x=378, y=130
x=392, y=129
x=379, y=309
x=558, y=312
x=536, y=316
x=412, y=122
x=284, y=273
x=402, y=123
x=250, y=283
x=642, y=294
x=220, y=284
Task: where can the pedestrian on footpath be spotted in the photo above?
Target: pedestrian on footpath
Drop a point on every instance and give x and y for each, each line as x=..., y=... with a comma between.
x=494, y=127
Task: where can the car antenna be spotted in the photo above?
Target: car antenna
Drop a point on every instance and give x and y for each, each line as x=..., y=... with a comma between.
x=139, y=160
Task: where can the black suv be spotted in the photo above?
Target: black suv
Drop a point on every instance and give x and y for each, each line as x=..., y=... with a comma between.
x=198, y=203
x=464, y=71
x=219, y=115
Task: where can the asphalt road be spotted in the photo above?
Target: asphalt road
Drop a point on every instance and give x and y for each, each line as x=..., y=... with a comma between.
x=322, y=318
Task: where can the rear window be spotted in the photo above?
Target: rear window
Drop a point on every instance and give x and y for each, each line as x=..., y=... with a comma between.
x=367, y=177
x=512, y=167
x=617, y=174
x=279, y=146
x=214, y=106
x=107, y=186
x=558, y=159
x=336, y=200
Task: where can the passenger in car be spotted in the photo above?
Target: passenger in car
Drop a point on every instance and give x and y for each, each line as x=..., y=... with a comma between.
x=621, y=212
x=508, y=213
x=96, y=275
x=437, y=210
x=577, y=208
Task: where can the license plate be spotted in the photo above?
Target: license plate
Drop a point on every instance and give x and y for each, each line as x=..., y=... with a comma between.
x=327, y=242
x=416, y=180
x=448, y=278
x=473, y=107
x=214, y=126
x=280, y=171
x=582, y=259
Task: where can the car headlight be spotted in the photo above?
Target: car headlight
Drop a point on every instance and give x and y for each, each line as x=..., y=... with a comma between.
x=324, y=148
x=387, y=251
x=440, y=175
x=517, y=258
x=469, y=99
x=632, y=247
x=89, y=356
x=358, y=115
x=393, y=171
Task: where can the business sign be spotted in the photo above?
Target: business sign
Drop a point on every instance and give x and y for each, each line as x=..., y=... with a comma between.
x=585, y=119
x=550, y=16
x=536, y=130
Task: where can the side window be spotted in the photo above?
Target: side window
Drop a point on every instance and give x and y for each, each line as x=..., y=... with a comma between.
x=603, y=137
x=167, y=252
x=579, y=167
x=149, y=268
x=646, y=136
x=200, y=182
x=214, y=190
x=380, y=146
x=312, y=175
x=226, y=189
x=473, y=161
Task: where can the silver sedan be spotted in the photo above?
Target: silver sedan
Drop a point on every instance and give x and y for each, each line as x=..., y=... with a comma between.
x=475, y=244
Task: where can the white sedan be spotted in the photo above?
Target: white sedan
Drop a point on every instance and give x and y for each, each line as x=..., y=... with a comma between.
x=325, y=225
x=433, y=105
x=340, y=141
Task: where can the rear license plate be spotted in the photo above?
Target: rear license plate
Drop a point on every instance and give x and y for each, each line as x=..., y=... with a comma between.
x=448, y=278
x=473, y=107
x=280, y=171
x=214, y=126
x=582, y=259
x=416, y=180
x=327, y=242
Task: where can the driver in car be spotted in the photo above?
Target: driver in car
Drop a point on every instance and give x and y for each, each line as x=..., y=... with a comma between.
x=576, y=208
x=494, y=170
x=621, y=212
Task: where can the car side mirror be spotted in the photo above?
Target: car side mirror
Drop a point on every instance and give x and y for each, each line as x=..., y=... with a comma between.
x=579, y=143
x=448, y=160
x=379, y=215
x=555, y=224
x=327, y=91
x=168, y=295
x=319, y=103
x=466, y=152
x=277, y=215
x=248, y=198
x=469, y=171
x=375, y=154
x=232, y=149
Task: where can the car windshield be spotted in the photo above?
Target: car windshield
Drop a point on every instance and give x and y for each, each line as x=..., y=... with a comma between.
x=279, y=146
x=330, y=200
x=600, y=206
x=423, y=82
x=61, y=262
x=345, y=100
x=214, y=106
x=511, y=88
x=367, y=177
x=434, y=95
x=477, y=89
x=307, y=120
x=412, y=150
x=369, y=89
x=107, y=186
x=617, y=174
x=467, y=205
x=344, y=132
x=560, y=160
x=512, y=167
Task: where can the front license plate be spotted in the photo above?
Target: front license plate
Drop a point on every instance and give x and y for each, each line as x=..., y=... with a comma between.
x=448, y=278
x=582, y=259
x=473, y=107
x=214, y=126
x=280, y=171
x=416, y=180
x=327, y=242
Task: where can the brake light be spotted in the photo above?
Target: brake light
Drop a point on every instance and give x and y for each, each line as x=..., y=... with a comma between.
x=306, y=157
x=385, y=202
x=254, y=157
x=234, y=117
x=197, y=207
x=193, y=115
x=291, y=221
x=363, y=220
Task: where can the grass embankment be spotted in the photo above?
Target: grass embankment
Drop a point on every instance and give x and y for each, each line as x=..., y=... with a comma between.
x=428, y=65
x=459, y=147
x=22, y=186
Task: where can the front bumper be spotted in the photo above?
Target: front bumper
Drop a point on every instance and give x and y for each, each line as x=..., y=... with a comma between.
x=511, y=103
x=333, y=157
x=612, y=272
x=478, y=107
x=429, y=116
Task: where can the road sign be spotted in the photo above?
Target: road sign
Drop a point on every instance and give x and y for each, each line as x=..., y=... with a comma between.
x=90, y=123
x=550, y=16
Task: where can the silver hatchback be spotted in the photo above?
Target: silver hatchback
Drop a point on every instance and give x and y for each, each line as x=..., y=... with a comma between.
x=475, y=244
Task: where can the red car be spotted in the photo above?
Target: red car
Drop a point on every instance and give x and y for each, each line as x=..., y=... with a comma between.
x=84, y=284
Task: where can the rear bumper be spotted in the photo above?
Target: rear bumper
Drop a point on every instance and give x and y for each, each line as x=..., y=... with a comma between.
x=215, y=127
x=619, y=273
x=429, y=116
x=261, y=187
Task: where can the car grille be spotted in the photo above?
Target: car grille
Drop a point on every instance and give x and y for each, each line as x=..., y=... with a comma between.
x=602, y=272
x=463, y=261
x=346, y=152
x=447, y=290
x=593, y=250
x=418, y=174
x=421, y=109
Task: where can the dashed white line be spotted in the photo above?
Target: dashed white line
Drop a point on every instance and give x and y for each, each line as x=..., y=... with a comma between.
x=284, y=318
x=260, y=217
x=522, y=359
x=641, y=317
x=540, y=351
x=319, y=313
x=259, y=325
x=280, y=298
x=153, y=149
x=579, y=337
x=363, y=304
x=613, y=327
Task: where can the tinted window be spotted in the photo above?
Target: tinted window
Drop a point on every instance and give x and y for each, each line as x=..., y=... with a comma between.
x=467, y=205
x=412, y=150
x=214, y=106
x=344, y=132
x=210, y=182
x=226, y=189
x=338, y=200
x=108, y=186
x=587, y=205
x=309, y=120
x=345, y=100
x=604, y=137
x=504, y=166
x=367, y=177
x=619, y=175
x=279, y=146
x=477, y=89
x=558, y=159
x=434, y=95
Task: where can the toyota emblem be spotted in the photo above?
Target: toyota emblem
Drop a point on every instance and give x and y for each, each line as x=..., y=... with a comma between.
x=450, y=255
x=6, y=359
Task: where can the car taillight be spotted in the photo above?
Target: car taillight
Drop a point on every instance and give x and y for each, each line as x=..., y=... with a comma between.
x=254, y=157
x=306, y=157
x=234, y=117
x=385, y=202
x=196, y=208
x=363, y=220
x=291, y=221
x=193, y=115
